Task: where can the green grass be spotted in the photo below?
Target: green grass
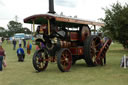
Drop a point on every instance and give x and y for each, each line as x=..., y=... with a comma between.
x=18, y=73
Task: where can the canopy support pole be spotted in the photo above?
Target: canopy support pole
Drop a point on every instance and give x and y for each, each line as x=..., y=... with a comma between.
x=49, y=27
x=94, y=29
x=33, y=26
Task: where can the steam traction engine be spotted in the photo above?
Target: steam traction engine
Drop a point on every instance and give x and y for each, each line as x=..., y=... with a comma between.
x=66, y=40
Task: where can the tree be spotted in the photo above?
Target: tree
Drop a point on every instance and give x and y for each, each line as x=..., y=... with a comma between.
x=26, y=30
x=2, y=30
x=16, y=27
x=116, y=23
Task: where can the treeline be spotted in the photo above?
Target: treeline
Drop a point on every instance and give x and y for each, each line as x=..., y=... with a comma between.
x=13, y=27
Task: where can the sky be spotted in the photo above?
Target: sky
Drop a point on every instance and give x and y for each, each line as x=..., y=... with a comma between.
x=85, y=9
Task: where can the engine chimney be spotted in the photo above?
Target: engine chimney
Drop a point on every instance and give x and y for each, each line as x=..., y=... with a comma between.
x=51, y=7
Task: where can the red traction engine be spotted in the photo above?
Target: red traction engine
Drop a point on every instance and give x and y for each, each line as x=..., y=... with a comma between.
x=65, y=40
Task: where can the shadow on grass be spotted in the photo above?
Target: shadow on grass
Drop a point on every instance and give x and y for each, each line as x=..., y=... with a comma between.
x=79, y=65
x=82, y=66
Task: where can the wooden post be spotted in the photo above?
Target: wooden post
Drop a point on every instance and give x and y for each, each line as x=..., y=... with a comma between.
x=125, y=64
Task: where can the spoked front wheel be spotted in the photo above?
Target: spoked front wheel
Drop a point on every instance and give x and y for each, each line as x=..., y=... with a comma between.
x=40, y=60
x=64, y=60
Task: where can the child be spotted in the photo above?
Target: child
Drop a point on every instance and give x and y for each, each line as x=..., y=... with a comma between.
x=20, y=54
x=29, y=48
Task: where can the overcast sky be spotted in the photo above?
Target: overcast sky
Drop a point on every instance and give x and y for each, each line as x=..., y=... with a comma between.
x=86, y=9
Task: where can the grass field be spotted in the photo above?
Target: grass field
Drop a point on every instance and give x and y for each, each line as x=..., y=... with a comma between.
x=18, y=73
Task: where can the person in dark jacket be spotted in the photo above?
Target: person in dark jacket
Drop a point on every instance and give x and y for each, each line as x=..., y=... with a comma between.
x=2, y=39
x=20, y=54
x=24, y=41
x=14, y=44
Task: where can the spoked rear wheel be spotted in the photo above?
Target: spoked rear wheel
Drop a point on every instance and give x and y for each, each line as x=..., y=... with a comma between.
x=40, y=60
x=64, y=60
x=91, y=45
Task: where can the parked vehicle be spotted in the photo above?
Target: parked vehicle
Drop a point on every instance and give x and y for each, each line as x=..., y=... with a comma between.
x=65, y=40
x=18, y=36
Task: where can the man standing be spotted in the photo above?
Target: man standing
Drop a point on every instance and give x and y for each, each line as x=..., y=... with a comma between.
x=24, y=41
x=14, y=44
x=2, y=39
x=20, y=42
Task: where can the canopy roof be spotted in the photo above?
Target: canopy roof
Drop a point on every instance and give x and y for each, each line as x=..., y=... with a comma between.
x=43, y=19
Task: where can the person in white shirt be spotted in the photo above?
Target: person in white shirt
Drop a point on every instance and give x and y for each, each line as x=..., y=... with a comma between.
x=20, y=43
